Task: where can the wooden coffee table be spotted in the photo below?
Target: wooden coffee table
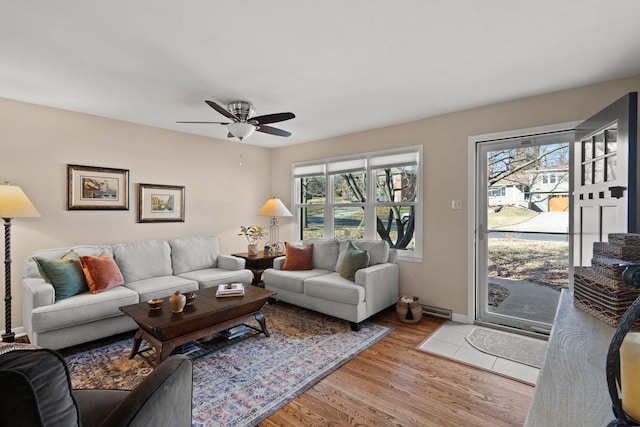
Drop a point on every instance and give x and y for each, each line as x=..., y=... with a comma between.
x=205, y=316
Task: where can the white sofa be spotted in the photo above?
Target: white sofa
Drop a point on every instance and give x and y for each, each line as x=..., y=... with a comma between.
x=150, y=268
x=324, y=290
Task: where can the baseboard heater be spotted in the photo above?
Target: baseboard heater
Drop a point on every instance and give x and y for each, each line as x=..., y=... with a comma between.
x=438, y=312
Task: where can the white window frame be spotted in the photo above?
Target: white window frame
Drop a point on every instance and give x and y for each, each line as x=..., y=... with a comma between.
x=369, y=162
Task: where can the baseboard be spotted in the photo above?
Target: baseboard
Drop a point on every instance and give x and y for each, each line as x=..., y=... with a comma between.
x=460, y=318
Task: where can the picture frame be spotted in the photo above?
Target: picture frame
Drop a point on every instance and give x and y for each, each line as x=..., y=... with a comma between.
x=160, y=203
x=97, y=188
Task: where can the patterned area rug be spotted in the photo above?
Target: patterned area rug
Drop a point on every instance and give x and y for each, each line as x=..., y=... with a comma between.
x=238, y=382
x=521, y=349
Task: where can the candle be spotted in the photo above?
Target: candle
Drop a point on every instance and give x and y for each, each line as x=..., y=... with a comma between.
x=630, y=374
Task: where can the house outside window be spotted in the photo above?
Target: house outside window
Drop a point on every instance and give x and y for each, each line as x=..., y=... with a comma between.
x=370, y=196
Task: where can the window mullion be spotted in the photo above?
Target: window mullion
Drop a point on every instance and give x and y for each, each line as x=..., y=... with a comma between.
x=329, y=229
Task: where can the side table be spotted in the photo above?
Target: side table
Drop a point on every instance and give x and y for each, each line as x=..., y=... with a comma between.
x=258, y=264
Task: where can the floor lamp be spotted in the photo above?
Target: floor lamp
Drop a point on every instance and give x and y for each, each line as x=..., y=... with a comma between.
x=274, y=208
x=13, y=204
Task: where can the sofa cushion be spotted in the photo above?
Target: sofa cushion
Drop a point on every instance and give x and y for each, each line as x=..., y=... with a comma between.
x=325, y=252
x=65, y=274
x=143, y=260
x=82, y=308
x=334, y=287
x=378, y=250
x=292, y=281
x=101, y=273
x=161, y=287
x=210, y=277
x=298, y=257
x=37, y=389
x=194, y=253
x=352, y=261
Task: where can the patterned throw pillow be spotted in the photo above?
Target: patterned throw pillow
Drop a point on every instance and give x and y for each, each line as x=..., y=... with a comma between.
x=298, y=257
x=101, y=272
x=354, y=259
x=65, y=274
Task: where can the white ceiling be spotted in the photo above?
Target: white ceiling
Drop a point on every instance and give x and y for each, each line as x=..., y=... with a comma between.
x=341, y=66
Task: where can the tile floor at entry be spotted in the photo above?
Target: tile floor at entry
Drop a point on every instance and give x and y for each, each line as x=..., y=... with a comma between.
x=449, y=341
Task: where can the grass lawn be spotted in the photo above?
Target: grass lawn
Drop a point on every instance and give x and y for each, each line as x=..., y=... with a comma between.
x=509, y=215
x=542, y=262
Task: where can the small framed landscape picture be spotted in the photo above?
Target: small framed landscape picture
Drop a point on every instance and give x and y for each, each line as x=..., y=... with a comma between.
x=94, y=188
x=160, y=203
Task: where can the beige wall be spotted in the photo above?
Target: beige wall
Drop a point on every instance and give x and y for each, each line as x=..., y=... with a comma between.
x=36, y=144
x=441, y=279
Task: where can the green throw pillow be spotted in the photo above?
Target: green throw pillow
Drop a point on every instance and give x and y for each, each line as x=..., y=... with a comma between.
x=65, y=274
x=354, y=259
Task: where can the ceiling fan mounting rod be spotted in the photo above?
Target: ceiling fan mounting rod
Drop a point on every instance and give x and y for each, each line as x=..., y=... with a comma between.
x=243, y=110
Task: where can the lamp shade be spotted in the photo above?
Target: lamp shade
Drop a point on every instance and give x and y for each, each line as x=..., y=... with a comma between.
x=274, y=207
x=241, y=130
x=15, y=204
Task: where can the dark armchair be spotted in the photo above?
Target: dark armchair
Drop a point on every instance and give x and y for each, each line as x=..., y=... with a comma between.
x=35, y=390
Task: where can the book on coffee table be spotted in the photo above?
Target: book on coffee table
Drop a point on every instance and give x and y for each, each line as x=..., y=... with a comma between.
x=230, y=290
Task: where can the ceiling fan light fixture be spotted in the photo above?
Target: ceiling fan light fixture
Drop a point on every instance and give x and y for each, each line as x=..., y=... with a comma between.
x=241, y=130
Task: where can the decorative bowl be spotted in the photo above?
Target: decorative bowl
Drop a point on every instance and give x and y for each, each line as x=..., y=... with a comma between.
x=190, y=297
x=155, y=303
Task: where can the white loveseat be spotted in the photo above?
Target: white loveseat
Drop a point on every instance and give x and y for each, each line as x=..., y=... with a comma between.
x=323, y=289
x=150, y=268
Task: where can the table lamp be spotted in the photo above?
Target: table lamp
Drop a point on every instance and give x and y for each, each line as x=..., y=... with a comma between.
x=274, y=208
x=13, y=204
x=623, y=361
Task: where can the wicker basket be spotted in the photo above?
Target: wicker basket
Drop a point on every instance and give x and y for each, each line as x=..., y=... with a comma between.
x=409, y=312
x=609, y=267
x=602, y=297
x=624, y=239
x=609, y=250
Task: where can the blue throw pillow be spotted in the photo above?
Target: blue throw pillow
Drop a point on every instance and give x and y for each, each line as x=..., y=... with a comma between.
x=65, y=274
x=354, y=259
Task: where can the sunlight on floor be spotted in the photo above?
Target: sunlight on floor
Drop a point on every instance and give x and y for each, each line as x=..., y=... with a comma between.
x=449, y=341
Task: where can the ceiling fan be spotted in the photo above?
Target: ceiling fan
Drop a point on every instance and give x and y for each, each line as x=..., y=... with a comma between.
x=243, y=122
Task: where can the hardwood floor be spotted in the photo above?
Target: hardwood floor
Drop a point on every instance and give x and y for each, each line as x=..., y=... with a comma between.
x=393, y=384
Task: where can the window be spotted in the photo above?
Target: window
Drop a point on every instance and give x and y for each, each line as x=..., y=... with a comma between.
x=369, y=196
x=498, y=192
x=549, y=178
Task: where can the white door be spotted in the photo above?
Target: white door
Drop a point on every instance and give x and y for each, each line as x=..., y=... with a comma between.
x=522, y=245
x=603, y=195
x=605, y=198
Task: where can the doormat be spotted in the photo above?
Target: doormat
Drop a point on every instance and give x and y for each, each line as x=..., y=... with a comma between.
x=241, y=381
x=518, y=348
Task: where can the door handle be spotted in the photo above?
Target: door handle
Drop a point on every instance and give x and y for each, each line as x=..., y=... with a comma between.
x=617, y=192
x=482, y=231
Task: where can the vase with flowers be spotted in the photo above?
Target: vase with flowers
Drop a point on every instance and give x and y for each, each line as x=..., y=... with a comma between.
x=254, y=234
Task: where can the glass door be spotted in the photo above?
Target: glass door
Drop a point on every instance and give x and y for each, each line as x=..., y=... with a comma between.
x=522, y=223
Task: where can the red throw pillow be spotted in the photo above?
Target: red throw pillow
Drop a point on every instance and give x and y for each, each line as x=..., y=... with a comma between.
x=101, y=272
x=298, y=257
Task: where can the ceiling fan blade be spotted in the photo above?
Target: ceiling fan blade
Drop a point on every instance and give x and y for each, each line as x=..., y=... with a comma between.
x=218, y=123
x=272, y=118
x=273, y=131
x=221, y=110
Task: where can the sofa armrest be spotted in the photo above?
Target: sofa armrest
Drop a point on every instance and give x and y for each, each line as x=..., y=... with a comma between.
x=163, y=398
x=380, y=282
x=228, y=262
x=278, y=262
x=37, y=293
